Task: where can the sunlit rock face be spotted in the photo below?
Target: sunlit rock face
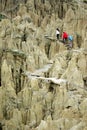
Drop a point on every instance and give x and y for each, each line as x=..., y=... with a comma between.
x=43, y=83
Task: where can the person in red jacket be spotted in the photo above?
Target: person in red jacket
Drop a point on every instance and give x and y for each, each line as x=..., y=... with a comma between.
x=64, y=37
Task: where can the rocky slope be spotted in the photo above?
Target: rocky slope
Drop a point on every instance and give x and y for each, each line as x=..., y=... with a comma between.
x=43, y=85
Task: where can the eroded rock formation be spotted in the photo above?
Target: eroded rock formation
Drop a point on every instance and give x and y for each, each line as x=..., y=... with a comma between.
x=43, y=85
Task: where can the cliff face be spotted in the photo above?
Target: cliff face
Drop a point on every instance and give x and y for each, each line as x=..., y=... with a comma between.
x=43, y=85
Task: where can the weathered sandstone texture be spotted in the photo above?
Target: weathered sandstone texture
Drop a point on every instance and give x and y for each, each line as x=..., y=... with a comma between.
x=43, y=84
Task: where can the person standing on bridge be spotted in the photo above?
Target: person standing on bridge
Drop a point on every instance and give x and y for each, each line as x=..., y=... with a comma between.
x=57, y=33
x=70, y=41
x=65, y=37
